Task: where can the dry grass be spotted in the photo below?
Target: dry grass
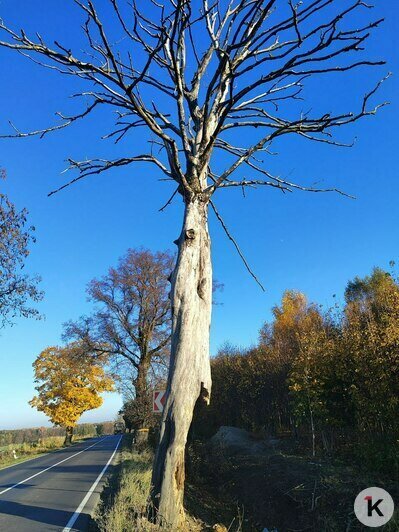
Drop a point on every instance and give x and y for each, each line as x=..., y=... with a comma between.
x=25, y=451
x=129, y=501
x=127, y=511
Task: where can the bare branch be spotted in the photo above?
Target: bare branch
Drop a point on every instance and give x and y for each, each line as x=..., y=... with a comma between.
x=98, y=166
x=230, y=237
x=68, y=120
x=169, y=200
x=253, y=57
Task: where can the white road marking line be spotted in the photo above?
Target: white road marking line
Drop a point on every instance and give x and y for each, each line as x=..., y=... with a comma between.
x=81, y=506
x=47, y=468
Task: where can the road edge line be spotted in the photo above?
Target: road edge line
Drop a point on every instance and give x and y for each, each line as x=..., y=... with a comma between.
x=86, y=498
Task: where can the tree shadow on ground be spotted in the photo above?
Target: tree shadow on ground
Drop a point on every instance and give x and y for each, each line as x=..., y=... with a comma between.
x=39, y=515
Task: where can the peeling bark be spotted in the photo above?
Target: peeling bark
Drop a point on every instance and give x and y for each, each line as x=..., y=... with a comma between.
x=190, y=374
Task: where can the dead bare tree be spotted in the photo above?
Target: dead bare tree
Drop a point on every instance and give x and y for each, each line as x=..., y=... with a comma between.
x=196, y=74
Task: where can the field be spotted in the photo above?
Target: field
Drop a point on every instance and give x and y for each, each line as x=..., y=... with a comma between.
x=20, y=445
x=15, y=453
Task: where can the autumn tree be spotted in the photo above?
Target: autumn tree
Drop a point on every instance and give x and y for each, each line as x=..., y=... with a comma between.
x=370, y=343
x=69, y=383
x=17, y=290
x=280, y=340
x=196, y=76
x=131, y=324
x=246, y=392
x=307, y=373
x=331, y=373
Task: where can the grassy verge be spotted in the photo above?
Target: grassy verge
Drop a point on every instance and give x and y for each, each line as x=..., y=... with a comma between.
x=124, y=500
x=27, y=451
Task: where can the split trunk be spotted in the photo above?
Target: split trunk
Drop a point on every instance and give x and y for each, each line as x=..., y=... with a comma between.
x=189, y=374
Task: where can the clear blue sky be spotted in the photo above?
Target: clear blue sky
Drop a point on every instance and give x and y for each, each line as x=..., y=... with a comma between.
x=314, y=243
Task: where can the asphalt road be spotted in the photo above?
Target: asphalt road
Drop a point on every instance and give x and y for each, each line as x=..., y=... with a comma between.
x=57, y=491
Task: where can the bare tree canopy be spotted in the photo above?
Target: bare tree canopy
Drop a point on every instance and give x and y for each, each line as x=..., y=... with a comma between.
x=214, y=84
x=17, y=290
x=188, y=91
x=131, y=323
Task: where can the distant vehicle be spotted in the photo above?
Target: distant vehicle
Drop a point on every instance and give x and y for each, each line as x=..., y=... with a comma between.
x=119, y=427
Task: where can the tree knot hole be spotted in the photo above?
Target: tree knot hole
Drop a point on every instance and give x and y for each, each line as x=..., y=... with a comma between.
x=190, y=234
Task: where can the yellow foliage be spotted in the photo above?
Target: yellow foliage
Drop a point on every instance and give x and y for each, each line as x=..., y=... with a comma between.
x=69, y=382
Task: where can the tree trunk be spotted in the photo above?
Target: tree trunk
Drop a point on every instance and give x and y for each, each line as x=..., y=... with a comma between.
x=141, y=391
x=189, y=373
x=68, y=435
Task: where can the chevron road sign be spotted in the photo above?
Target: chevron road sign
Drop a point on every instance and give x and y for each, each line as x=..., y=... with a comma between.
x=159, y=397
